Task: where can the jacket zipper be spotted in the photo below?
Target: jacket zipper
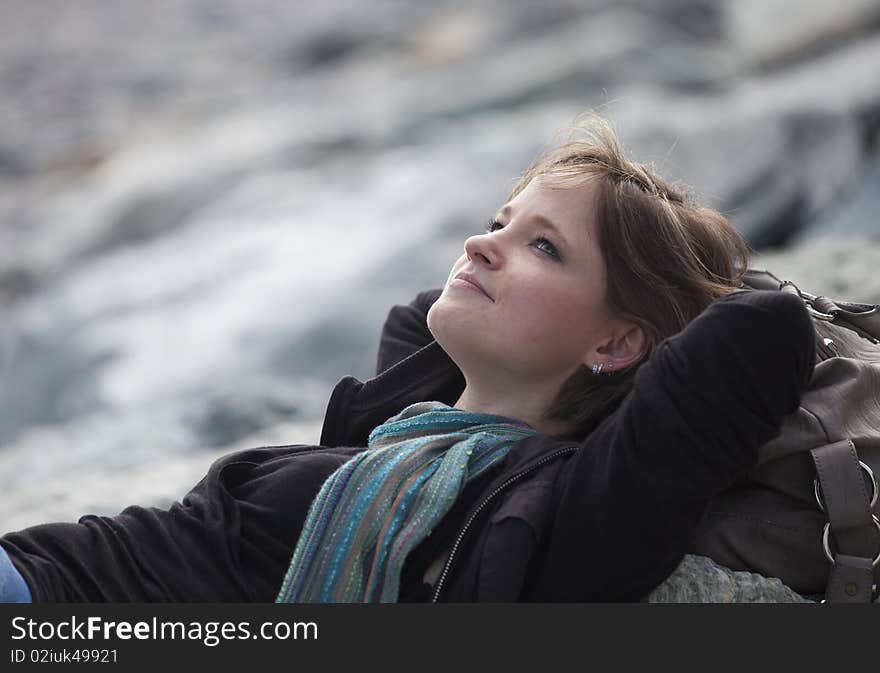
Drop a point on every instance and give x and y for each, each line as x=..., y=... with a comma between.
x=448, y=565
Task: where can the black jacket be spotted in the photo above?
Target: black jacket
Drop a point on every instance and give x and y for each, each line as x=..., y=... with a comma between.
x=604, y=518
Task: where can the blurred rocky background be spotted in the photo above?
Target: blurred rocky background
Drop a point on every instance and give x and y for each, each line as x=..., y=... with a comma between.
x=208, y=207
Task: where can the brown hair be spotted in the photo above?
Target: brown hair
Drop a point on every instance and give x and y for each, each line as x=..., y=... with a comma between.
x=667, y=257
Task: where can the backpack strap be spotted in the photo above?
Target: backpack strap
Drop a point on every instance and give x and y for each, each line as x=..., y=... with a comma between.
x=760, y=279
x=851, y=580
x=864, y=319
x=842, y=494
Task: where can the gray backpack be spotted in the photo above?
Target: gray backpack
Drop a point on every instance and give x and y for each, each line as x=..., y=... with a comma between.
x=808, y=513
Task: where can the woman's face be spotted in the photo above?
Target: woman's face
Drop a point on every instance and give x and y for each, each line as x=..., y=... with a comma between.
x=543, y=311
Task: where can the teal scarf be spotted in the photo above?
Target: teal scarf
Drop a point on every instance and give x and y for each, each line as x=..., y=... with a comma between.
x=376, y=508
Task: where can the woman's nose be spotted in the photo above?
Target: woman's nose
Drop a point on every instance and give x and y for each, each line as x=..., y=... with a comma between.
x=482, y=249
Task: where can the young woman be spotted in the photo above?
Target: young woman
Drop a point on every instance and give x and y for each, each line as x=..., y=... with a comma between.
x=549, y=426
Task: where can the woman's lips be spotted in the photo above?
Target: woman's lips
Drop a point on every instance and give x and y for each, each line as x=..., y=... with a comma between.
x=465, y=284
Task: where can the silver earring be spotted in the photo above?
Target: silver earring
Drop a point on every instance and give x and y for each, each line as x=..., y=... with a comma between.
x=597, y=368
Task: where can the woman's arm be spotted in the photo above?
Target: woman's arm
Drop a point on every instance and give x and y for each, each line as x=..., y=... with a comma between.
x=700, y=408
x=405, y=330
x=230, y=539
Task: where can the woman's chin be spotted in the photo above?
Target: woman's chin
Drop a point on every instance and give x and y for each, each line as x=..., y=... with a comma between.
x=452, y=321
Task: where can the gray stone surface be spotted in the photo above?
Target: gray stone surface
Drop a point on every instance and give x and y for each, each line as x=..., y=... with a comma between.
x=699, y=579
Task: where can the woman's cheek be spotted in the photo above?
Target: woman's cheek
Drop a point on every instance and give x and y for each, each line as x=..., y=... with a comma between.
x=548, y=321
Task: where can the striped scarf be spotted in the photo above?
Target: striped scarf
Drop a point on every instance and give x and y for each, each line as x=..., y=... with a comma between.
x=376, y=508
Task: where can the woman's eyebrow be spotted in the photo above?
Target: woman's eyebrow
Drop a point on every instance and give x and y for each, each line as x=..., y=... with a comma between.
x=541, y=221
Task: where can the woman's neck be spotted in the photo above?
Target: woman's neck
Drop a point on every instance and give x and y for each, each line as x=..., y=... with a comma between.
x=527, y=408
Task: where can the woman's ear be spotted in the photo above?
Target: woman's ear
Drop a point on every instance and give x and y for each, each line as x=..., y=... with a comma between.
x=625, y=348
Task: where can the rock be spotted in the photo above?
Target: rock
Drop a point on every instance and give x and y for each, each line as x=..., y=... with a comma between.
x=844, y=268
x=13, y=164
x=853, y=215
x=15, y=284
x=816, y=163
x=698, y=579
x=224, y=414
x=775, y=33
x=47, y=380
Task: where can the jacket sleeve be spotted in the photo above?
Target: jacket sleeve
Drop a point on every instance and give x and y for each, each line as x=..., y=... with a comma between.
x=700, y=408
x=230, y=539
x=405, y=330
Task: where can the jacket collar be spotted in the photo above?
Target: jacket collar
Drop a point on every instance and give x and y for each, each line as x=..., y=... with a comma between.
x=356, y=407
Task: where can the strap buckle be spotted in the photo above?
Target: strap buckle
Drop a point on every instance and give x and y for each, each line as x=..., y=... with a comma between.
x=826, y=542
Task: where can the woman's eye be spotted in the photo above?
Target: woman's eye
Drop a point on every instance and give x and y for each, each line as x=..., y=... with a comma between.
x=541, y=243
x=547, y=246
